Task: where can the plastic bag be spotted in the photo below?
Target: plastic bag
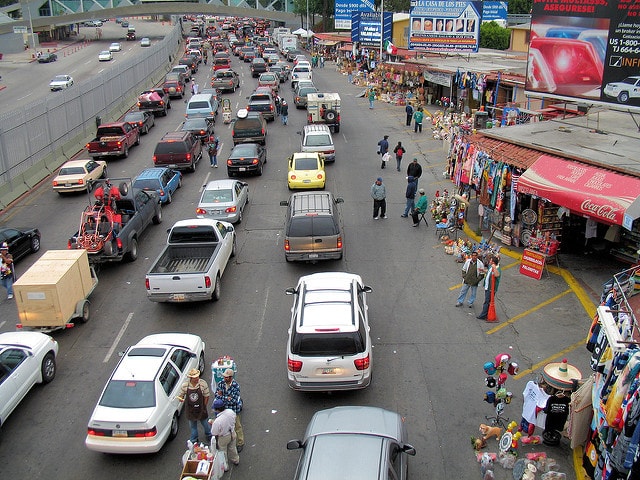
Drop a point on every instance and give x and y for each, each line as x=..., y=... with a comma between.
x=386, y=157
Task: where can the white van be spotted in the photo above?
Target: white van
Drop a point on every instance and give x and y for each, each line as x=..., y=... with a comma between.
x=301, y=72
x=202, y=105
x=317, y=138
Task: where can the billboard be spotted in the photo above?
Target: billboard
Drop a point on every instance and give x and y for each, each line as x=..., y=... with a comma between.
x=494, y=11
x=450, y=26
x=367, y=28
x=582, y=49
x=344, y=8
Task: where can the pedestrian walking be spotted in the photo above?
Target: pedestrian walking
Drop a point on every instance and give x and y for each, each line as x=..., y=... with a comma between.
x=321, y=60
x=472, y=275
x=228, y=391
x=222, y=429
x=410, y=195
x=409, y=110
x=414, y=169
x=212, y=150
x=350, y=73
x=420, y=208
x=372, y=97
x=284, y=111
x=383, y=149
x=277, y=101
x=418, y=116
x=6, y=269
x=399, y=151
x=379, y=195
x=493, y=272
x=196, y=393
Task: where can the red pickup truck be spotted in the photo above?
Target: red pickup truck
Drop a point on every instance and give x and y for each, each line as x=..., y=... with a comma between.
x=114, y=139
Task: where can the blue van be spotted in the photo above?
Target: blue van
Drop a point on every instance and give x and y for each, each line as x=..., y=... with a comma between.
x=164, y=181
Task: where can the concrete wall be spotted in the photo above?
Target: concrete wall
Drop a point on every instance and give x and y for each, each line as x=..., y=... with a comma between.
x=37, y=138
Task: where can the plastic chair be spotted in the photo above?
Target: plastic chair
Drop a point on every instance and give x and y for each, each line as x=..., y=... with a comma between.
x=423, y=217
x=442, y=228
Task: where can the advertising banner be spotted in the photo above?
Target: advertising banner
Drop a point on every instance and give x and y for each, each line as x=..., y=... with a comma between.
x=450, y=26
x=344, y=8
x=367, y=28
x=532, y=264
x=586, y=49
x=494, y=11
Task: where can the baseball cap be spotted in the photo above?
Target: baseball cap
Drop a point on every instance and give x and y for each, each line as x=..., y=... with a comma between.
x=379, y=179
x=218, y=404
x=421, y=191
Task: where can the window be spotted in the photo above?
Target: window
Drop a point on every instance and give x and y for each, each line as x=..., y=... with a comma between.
x=12, y=357
x=128, y=394
x=395, y=461
x=168, y=378
x=180, y=358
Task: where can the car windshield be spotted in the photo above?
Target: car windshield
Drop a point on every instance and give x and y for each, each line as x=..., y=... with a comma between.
x=128, y=394
x=217, y=196
x=198, y=105
x=195, y=124
x=260, y=98
x=317, y=141
x=223, y=74
x=306, y=91
x=147, y=184
x=268, y=78
x=133, y=117
x=333, y=456
x=305, y=163
x=72, y=171
x=59, y=78
x=323, y=344
x=319, y=226
x=221, y=61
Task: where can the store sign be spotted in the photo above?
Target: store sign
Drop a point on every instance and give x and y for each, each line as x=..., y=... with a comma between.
x=371, y=29
x=445, y=26
x=344, y=8
x=494, y=11
x=585, y=49
x=532, y=264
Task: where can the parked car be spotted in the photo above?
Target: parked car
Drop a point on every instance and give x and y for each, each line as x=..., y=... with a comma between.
x=115, y=47
x=354, y=442
x=47, y=57
x=105, y=56
x=306, y=170
x=26, y=358
x=200, y=127
x=138, y=409
x=79, y=175
x=223, y=200
x=21, y=241
x=142, y=120
x=164, y=181
x=269, y=79
x=60, y=82
x=246, y=158
x=225, y=80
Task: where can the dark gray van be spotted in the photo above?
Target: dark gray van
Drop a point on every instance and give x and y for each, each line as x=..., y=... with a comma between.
x=313, y=227
x=249, y=127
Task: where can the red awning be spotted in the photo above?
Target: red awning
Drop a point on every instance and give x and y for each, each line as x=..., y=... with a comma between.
x=602, y=194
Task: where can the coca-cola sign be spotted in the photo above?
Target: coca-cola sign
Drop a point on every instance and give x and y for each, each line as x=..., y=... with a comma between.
x=604, y=211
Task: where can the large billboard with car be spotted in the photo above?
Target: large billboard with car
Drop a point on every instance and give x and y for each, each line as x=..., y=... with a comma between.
x=585, y=49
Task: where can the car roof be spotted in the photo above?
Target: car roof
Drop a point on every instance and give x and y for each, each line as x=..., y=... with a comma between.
x=332, y=456
x=220, y=184
x=356, y=419
x=154, y=172
x=76, y=163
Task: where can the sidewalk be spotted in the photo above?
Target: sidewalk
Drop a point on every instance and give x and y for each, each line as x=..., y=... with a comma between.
x=60, y=47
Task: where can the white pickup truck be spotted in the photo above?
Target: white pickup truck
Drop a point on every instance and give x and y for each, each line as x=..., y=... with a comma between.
x=191, y=265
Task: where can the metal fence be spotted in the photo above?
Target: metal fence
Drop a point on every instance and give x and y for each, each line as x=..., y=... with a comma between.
x=38, y=137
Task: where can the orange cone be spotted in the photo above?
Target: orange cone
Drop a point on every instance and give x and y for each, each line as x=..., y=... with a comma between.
x=491, y=313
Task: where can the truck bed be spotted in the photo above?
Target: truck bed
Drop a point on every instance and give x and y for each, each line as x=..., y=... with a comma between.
x=185, y=259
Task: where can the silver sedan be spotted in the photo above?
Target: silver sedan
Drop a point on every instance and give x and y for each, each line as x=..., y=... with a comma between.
x=224, y=200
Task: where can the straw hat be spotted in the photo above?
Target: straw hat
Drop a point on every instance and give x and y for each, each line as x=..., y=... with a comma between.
x=193, y=373
x=561, y=375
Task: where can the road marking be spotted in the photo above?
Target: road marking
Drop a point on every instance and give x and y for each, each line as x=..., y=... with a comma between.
x=27, y=95
x=206, y=180
x=263, y=315
x=527, y=312
x=2, y=323
x=118, y=338
x=550, y=359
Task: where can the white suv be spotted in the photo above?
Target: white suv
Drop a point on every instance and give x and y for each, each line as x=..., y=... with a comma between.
x=329, y=346
x=317, y=138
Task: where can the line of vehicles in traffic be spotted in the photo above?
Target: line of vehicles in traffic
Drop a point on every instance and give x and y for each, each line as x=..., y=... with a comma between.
x=329, y=345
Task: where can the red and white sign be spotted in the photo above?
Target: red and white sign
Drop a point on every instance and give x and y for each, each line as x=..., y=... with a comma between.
x=532, y=264
x=591, y=191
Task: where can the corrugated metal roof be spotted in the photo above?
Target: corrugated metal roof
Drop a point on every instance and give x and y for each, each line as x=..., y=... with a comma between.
x=506, y=152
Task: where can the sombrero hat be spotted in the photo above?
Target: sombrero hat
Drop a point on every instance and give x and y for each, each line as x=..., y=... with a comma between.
x=561, y=375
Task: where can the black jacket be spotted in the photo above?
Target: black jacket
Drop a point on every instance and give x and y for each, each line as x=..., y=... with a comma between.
x=414, y=170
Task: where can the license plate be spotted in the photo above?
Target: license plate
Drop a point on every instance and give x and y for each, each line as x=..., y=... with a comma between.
x=178, y=297
x=313, y=255
x=119, y=433
x=67, y=184
x=242, y=169
x=329, y=371
x=306, y=181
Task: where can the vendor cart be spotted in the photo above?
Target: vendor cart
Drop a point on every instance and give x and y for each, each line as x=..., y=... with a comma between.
x=226, y=110
x=220, y=365
x=203, y=463
x=53, y=293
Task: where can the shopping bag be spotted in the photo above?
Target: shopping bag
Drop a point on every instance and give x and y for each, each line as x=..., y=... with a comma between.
x=386, y=157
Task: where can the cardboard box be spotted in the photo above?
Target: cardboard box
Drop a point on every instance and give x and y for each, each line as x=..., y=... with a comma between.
x=48, y=292
x=191, y=467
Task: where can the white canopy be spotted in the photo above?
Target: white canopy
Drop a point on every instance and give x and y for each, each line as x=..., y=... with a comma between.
x=299, y=31
x=304, y=33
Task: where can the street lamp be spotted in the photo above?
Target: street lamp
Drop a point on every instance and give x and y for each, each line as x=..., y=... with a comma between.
x=307, y=36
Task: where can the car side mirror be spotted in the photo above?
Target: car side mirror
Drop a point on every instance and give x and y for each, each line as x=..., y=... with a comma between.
x=339, y=200
x=290, y=291
x=406, y=448
x=366, y=289
x=230, y=229
x=284, y=203
x=294, y=444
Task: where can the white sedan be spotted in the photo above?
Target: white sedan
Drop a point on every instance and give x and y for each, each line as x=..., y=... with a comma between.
x=60, y=82
x=105, y=56
x=26, y=358
x=139, y=407
x=79, y=175
x=115, y=47
x=145, y=42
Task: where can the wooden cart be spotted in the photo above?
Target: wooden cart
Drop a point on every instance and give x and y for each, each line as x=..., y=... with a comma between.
x=53, y=293
x=226, y=110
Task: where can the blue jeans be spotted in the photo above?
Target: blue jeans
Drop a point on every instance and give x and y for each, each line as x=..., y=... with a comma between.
x=370, y=103
x=8, y=284
x=285, y=119
x=350, y=78
x=463, y=293
x=485, y=305
x=410, y=205
x=193, y=424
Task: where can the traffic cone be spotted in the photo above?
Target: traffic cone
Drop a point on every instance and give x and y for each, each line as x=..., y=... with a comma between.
x=491, y=313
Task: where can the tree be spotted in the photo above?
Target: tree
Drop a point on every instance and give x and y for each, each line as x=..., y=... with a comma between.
x=520, y=6
x=494, y=36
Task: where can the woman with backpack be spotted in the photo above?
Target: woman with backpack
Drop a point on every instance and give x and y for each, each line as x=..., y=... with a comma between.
x=399, y=151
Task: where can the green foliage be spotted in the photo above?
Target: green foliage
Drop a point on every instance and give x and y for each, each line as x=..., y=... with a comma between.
x=520, y=6
x=6, y=3
x=494, y=36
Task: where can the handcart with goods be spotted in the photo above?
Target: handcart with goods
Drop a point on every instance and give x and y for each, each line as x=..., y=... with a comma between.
x=226, y=110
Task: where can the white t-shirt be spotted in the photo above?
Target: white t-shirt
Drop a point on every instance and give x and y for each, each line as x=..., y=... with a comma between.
x=533, y=396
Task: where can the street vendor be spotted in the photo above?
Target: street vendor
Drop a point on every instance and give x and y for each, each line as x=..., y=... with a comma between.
x=6, y=269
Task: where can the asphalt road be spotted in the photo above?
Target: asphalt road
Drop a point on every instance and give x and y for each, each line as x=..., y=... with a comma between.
x=428, y=355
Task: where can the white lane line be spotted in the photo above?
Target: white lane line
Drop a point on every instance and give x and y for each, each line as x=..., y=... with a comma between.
x=206, y=180
x=118, y=338
x=2, y=323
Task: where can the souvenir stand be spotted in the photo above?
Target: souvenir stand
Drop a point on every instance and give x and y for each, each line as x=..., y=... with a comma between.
x=611, y=439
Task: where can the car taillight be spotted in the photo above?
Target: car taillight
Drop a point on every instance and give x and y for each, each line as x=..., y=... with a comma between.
x=119, y=144
x=271, y=107
x=188, y=157
x=201, y=132
x=119, y=243
x=96, y=432
x=339, y=242
x=155, y=159
x=297, y=99
x=86, y=146
x=362, y=363
x=294, y=365
x=254, y=161
x=287, y=247
x=309, y=119
x=80, y=181
x=293, y=176
x=207, y=281
x=162, y=193
x=146, y=284
x=319, y=176
x=231, y=209
x=262, y=132
x=139, y=104
x=151, y=432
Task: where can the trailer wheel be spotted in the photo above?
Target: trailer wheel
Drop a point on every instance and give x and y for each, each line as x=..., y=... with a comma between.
x=82, y=311
x=330, y=116
x=215, y=295
x=48, y=368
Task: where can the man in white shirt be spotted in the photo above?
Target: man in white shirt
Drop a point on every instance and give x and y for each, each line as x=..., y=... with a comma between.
x=223, y=429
